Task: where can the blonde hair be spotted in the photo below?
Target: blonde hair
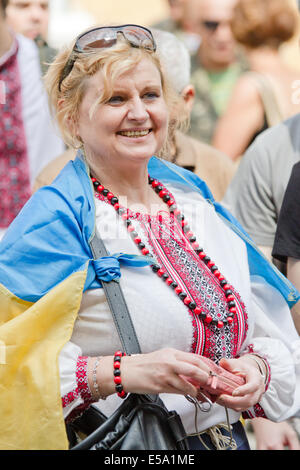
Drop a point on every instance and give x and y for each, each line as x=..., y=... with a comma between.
x=113, y=62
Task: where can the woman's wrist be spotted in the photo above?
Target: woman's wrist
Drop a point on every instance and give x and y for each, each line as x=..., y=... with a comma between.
x=260, y=364
x=100, y=377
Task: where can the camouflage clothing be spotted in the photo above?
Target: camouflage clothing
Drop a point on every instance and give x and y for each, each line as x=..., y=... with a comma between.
x=212, y=92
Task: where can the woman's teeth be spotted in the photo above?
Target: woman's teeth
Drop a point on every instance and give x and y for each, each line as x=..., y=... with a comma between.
x=135, y=133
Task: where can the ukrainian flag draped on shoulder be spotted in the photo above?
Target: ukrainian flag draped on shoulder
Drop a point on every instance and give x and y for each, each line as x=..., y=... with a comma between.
x=45, y=265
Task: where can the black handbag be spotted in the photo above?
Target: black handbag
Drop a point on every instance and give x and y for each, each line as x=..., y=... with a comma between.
x=141, y=422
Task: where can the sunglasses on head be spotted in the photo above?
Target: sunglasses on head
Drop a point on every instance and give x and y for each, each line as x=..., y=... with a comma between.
x=105, y=37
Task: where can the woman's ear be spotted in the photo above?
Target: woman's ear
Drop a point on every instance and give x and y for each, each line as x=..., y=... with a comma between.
x=188, y=95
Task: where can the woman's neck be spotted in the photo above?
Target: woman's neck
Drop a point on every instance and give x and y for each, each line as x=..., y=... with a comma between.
x=130, y=185
x=264, y=59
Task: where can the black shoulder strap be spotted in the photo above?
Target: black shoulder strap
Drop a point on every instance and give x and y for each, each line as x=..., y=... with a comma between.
x=117, y=304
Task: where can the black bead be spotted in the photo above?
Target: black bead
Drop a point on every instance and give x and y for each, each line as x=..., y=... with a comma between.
x=128, y=222
x=174, y=285
x=192, y=239
x=228, y=292
x=214, y=268
x=122, y=210
x=150, y=180
x=114, y=200
x=117, y=372
x=202, y=316
x=155, y=267
x=231, y=304
x=223, y=282
x=198, y=250
x=187, y=228
x=141, y=245
x=117, y=358
x=206, y=259
x=134, y=234
x=182, y=295
x=166, y=198
x=96, y=184
x=165, y=276
x=119, y=388
x=192, y=305
x=105, y=192
x=158, y=188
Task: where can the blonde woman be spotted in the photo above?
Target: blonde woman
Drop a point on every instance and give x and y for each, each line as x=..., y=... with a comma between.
x=183, y=269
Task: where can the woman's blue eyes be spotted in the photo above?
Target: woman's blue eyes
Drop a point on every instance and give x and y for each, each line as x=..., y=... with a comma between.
x=120, y=99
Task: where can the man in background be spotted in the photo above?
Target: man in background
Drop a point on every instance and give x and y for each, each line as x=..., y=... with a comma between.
x=216, y=66
x=28, y=140
x=31, y=18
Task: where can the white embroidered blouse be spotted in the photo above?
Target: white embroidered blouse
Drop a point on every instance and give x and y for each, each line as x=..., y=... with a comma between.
x=162, y=320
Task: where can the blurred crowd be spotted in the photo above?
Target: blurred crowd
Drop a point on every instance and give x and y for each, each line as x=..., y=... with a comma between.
x=243, y=104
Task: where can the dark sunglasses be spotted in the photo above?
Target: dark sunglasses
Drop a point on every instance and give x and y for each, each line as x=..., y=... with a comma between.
x=211, y=25
x=105, y=37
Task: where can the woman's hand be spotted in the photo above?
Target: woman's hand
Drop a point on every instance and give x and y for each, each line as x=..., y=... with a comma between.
x=163, y=371
x=274, y=436
x=246, y=395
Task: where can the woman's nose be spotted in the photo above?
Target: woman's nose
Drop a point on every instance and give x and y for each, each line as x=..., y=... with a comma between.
x=138, y=110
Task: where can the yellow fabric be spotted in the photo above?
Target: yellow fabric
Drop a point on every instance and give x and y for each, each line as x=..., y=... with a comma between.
x=31, y=337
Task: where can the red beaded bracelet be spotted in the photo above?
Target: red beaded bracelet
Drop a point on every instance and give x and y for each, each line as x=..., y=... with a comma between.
x=117, y=374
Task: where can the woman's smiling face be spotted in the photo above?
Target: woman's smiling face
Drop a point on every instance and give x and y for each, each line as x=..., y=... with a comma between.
x=132, y=125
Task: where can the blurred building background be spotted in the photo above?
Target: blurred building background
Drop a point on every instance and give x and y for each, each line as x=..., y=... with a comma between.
x=70, y=17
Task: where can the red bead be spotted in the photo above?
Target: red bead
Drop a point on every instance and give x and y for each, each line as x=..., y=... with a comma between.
x=110, y=195
x=217, y=273
x=197, y=311
x=160, y=272
x=169, y=281
x=94, y=180
x=162, y=193
x=137, y=240
x=184, y=223
x=210, y=264
x=99, y=188
x=117, y=365
x=226, y=286
x=154, y=183
x=117, y=206
x=119, y=353
x=202, y=255
x=177, y=212
x=130, y=228
x=221, y=277
x=117, y=380
x=187, y=301
x=189, y=234
x=125, y=216
x=232, y=310
x=122, y=394
x=195, y=245
x=229, y=298
x=208, y=319
x=170, y=202
x=220, y=324
x=145, y=251
x=229, y=320
x=178, y=290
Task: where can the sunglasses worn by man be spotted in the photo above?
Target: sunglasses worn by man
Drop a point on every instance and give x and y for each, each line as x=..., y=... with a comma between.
x=212, y=25
x=107, y=36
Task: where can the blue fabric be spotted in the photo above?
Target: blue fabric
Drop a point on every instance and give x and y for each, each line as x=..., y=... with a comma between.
x=108, y=267
x=49, y=239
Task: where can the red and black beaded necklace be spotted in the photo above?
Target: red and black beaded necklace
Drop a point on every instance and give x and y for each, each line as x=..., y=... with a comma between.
x=160, y=270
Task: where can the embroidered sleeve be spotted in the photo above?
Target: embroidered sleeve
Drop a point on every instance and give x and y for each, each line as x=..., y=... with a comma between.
x=75, y=392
